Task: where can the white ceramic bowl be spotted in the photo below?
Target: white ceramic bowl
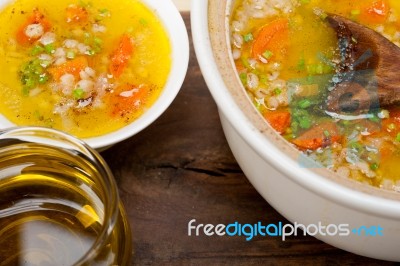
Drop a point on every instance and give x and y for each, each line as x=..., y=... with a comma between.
x=306, y=196
x=177, y=33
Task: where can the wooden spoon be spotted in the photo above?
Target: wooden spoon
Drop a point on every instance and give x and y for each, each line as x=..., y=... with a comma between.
x=368, y=76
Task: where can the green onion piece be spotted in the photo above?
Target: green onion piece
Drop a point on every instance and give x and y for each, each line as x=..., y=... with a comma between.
x=267, y=54
x=305, y=122
x=391, y=126
x=50, y=48
x=45, y=63
x=301, y=65
x=374, y=166
x=327, y=134
x=78, y=93
x=43, y=79
x=243, y=78
x=398, y=137
x=143, y=22
x=248, y=37
x=277, y=91
x=91, y=52
x=37, y=49
x=375, y=118
x=263, y=79
x=304, y=104
x=319, y=69
x=98, y=41
x=70, y=54
x=356, y=145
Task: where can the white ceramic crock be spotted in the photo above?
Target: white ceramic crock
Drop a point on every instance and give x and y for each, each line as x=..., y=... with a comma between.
x=306, y=196
x=176, y=29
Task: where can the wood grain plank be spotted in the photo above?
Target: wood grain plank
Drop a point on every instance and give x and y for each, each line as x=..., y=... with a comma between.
x=181, y=168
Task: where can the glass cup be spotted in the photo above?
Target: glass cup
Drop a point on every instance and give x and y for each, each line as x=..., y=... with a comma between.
x=59, y=203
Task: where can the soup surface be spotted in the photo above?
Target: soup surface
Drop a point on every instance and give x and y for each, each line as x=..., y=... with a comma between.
x=288, y=58
x=85, y=67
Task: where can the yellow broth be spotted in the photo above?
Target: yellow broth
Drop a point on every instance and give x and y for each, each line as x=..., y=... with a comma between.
x=287, y=57
x=91, y=108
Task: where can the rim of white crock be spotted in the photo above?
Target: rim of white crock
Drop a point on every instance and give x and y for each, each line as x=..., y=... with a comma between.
x=264, y=147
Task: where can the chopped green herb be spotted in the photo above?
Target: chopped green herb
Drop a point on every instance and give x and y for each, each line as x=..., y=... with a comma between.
x=356, y=146
x=50, y=48
x=398, y=137
x=78, y=93
x=248, y=37
x=374, y=166
x=43, y=79
x=391, y=126
x=305, y=122
x=37, y=49
x=263, y=79
x=267, y=54
x=143, y=22
x=327, y=134
x=277, y=91
x=301, y=65
x=70, y=54
x=304, y=104
x=243, y=78
x=375, y=118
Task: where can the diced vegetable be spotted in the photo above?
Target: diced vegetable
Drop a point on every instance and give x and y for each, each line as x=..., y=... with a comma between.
x=128, y=98
x=375, y=12
x=279, y=120
x=73, y=67
x=272, y=37
x=120, y=57
x=76, y=14
x=316, y=137
x=248, y=37
x=37, y=18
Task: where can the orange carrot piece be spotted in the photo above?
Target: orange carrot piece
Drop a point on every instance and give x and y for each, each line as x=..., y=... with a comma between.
x=272, y=37
x=375, y=12
x=76, y=14
x=279, y=121
x=120, y=57
x=319, y=136
x=127, y=98
x=391, y=125
x=36, y=18
x=73, y=67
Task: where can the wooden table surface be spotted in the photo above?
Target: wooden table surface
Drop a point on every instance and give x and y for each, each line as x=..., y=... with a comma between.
x=180, y=168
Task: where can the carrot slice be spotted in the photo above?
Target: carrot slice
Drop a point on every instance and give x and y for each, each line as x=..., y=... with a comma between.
x=272, y=38
x=319, y=136
x=36, y=18
x=73, y=67
x=279, y=121
x=76, y=14
x=375, y=12
x=120, y=57
x=127, y=98
x=391, y=125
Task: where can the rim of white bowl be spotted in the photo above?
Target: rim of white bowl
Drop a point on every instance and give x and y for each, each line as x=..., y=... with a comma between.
x=178, y=36
x=261, y=145
x=175, y=27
